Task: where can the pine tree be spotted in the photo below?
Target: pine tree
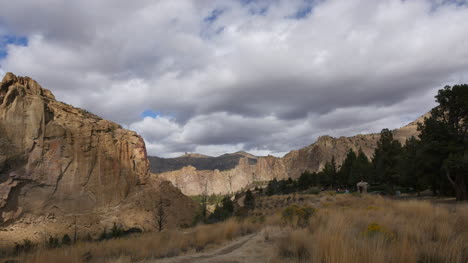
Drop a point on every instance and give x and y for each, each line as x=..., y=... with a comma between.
x=385, y=159
x=330, y=173
x=444, y=139
x=409, y=165
x=348, y=173
x=363, y=168
x=249, y=201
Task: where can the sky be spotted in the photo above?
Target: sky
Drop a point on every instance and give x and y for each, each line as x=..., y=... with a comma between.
x=263, y=76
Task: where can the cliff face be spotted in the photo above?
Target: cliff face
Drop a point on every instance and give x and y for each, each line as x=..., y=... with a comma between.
x=57, y=162
x=194, y=181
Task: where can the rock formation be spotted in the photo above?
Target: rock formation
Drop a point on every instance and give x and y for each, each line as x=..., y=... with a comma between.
x=60, y=164
x=231, y=175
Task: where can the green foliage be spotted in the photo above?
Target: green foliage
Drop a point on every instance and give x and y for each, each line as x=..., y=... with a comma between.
x=53, y=242
x=116, y=231
x=329, y=174
x=25, y=247
x=444, y=142
x=437, y=160
x=276, y=187
x=409, y=166
x=386, y=158
x=88, y=238
x=375, y=229
x=313, y=191
x=104, y=235
x=249, y=201
x=66, y=240
x=272, y=187
x=222, y=212
x=297, y=215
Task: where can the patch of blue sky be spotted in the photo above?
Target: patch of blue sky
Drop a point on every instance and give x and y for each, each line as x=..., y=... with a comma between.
x=6, y=40
x=305, y=9
x=215, y=13
x=246, y=2
x=150, y=113
x=210, y=28
x=261, y=11
x=303, y=12
x=436, y=4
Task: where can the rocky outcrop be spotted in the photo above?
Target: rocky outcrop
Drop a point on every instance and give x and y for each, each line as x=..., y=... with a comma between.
x=195, y=182
x=58, y=162
x=246, y=173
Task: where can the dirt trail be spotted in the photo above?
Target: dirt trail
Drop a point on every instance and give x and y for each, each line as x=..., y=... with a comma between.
x=251, y=248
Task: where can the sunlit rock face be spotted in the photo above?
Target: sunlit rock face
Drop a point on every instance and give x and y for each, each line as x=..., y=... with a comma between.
x=59, y=162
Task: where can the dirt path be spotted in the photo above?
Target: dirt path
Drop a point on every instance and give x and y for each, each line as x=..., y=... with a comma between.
x=251, y=248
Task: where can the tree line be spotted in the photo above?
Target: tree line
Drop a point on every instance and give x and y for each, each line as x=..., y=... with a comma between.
x=437, y=159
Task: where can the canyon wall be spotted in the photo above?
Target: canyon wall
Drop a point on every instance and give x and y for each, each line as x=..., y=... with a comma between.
x=60, y=165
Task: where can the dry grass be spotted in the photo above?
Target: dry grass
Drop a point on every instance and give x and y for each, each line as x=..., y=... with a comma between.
x=145, y=246
x=343, y=229
x=374, y=229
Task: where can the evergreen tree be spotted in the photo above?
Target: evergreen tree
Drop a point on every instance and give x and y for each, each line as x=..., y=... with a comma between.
x=409, y=165
x=272, y=187
x=222, y=212
x=227, y=204
x=66, y=240
x=348, y=173
x=444, y=139
x=249, y=201
x=330, y=173
x=385, y=159
x=305, y=180
x=363, y=168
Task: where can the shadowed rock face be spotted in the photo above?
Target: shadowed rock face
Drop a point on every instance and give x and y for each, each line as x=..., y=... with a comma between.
x=58, y=162
x=194, y=179
x=200, y=162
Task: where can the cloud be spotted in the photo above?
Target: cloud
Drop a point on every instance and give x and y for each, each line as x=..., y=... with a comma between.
x=262, y=76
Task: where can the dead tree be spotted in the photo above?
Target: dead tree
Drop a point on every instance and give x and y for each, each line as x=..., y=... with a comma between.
x=161, y=216
x=204, y=200
x=75, y=233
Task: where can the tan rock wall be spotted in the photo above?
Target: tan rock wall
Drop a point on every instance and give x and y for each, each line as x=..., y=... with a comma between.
x=57, y=161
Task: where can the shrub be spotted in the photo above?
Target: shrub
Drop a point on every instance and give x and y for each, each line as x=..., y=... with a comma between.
x=241, y=212
x=374, y=229
x=249, y=201
x=222, y=212
x=66, y=240
x=24, y=247
x=103, y=235
x=88, y=238
x=116, y=231
x=313, y=191
x=297, y=215
x=53, y=242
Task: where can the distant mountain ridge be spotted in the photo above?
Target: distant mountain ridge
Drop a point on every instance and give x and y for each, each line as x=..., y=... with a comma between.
x=199, y=161
x=233, y=172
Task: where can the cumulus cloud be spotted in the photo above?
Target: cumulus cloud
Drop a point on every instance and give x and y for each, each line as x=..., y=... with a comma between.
x=228, y=75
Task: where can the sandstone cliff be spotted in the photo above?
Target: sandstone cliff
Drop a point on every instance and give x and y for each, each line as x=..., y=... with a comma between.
x=194, y=179
x=59, y=163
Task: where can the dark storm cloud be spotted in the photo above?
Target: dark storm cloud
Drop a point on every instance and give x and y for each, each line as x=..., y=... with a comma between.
x=228, y=75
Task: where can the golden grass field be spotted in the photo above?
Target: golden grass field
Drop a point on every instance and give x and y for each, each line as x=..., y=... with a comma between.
x=343, y=228
x=374, y=229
